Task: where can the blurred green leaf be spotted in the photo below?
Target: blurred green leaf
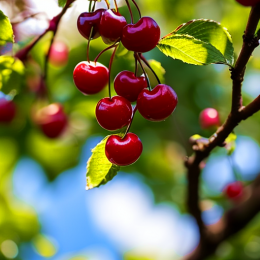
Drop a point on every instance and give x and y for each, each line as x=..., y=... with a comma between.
x=6, y=31
x=199, y=42
x=62, y=3
x=99, y=169
x=11, y=74
x=158, y=69
x=231, y=143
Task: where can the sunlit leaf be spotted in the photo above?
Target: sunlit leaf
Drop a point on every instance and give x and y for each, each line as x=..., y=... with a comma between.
x=6, y=31
x=158, y=69
x=199, y=42
x=99, y=169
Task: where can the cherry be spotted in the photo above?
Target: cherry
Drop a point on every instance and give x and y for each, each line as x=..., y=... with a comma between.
x=90, y=77
x=248, y=2
x=234, y=190
x=128, y=85
x=7, y=110
x=113, y=114
x=209, y=117
x=142, y=36
x=88, y=20
x=59, y=54
x=158, y=104
x=111, y=26
x=52, y=120
x=124, y=151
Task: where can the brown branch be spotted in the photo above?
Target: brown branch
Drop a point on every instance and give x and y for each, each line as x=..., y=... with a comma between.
x=237, y=114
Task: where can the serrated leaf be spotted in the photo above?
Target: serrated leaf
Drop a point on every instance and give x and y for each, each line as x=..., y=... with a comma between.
x=217, y=39
x=190, y=50
x=99, y=169
x=158, y=69
x=11, y=74
x=62, y=3
x=6, y=30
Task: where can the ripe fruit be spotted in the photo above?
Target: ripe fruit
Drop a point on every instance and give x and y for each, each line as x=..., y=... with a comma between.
x=142, y=36
x=113, y=114
x=248, y=2
x=88, y=20
x=234, y=190
x=90, y=77
x=52, y=120
x=209, y=117
x=158, y=104
x=111, y=26
x=7, y=110
x=124, y=151
x=59, y=54
x=128, y=85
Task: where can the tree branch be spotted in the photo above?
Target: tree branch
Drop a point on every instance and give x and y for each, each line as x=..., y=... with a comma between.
x=237, y=114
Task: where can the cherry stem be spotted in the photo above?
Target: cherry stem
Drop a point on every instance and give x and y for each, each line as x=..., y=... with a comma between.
x=146, y=77
x=90, y=5
x=136, y=66
x=94, y=6
x=108, y=5
x=129, y=126
x=137, y=7
x=116, y=6
x=130, y=11
x=108, y=48
x=89, y=40
x=148, y=65
x=110, y=68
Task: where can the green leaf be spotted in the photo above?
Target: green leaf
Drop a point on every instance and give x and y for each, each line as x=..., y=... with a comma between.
x=158, y=69
x=62, y=3
x=11, y=74
x=6, y=30
x=231, y=143
x=199, y=42
x=99, y=169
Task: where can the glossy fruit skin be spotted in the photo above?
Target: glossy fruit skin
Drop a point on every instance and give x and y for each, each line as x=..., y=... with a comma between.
x=234, y=190
x=88, y=20
x=59, y=54
x=248, y=2
x=90, y=78
x=113, y=114
x=158, y=104
x=142, y=36
x=52, y=120
x=111, y=26
x=7, y=110
x=125, y=151
x=209, y=117
x=129, y=86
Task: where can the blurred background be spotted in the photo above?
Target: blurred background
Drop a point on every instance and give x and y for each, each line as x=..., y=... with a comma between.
x=45, y=212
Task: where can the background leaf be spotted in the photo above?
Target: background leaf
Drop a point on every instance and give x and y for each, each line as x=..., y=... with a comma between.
x=62, y=3
x=99, y=169
x=218, y=48
x=6, y=31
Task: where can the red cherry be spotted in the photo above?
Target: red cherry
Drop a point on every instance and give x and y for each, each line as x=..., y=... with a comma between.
x=7, y=110
x=248, y=2
x=113, y=114
x=59, y=54
x=209, y=117
x=124, y=151
x=90, y=77
x=234, y=190
x=158, y=104
x=111, y=26
x=142, y=36
x=88, y=20
x=128, y=85
x=52, y=120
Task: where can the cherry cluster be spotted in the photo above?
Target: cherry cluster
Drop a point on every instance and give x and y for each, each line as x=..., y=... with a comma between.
x=90, y=77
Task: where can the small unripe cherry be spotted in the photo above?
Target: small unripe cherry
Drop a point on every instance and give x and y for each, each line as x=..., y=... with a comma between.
x=7, y=110
x=248, y=2
x=209, y=117
x=234, y=190
x=124, y=151
x=59, y=54
x=52, y=120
